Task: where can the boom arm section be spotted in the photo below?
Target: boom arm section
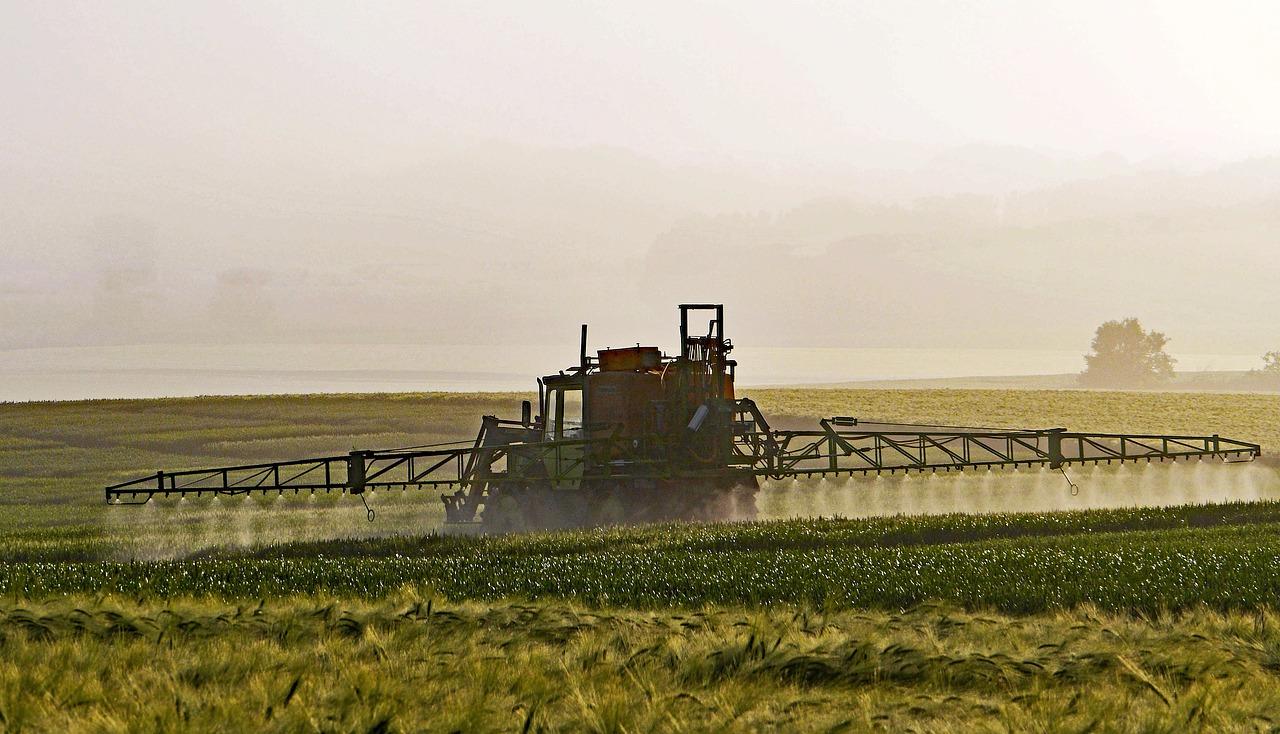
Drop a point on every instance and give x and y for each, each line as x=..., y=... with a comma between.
x=843, y=446
x=354, y=473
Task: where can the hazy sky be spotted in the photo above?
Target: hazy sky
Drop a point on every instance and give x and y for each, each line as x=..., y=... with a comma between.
x=364, y=84
x=306, y=170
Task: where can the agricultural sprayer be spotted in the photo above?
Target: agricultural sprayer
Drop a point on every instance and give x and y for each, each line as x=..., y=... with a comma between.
x=635, y=435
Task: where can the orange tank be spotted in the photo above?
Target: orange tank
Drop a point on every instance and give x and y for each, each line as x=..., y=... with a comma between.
x=630, y=359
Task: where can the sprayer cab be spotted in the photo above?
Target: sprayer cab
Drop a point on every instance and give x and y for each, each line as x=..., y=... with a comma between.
x=638, y=392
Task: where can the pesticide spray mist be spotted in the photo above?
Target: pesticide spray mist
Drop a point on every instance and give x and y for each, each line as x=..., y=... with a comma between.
x=175, y=528
x=1022, y=490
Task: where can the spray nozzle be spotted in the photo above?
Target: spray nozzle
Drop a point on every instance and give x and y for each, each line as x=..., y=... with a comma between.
x=1075, y=488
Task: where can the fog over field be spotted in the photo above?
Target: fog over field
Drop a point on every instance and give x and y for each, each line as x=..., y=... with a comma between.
x=1005, y=175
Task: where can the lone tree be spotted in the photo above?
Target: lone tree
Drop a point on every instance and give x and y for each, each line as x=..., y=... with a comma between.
x=1271, y=364
x=1126, y=355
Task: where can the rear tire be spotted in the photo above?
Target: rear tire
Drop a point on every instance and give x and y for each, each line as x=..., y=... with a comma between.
x=502, y=515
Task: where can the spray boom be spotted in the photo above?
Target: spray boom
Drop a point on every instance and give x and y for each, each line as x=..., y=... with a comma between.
x=634, y=435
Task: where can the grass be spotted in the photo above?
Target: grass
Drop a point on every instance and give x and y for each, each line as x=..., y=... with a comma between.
x=294, y=614
x=1011, y=566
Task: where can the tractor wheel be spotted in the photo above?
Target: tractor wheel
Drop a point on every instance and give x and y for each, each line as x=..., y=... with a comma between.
x=503, y=516
x=609, y=510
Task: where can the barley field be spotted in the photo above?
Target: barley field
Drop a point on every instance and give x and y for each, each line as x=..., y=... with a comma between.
x=410, y=662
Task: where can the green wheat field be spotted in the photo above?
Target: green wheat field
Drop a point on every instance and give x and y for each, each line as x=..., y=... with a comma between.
x=992, y=601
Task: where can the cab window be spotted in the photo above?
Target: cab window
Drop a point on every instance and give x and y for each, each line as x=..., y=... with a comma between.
x=563, y=414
